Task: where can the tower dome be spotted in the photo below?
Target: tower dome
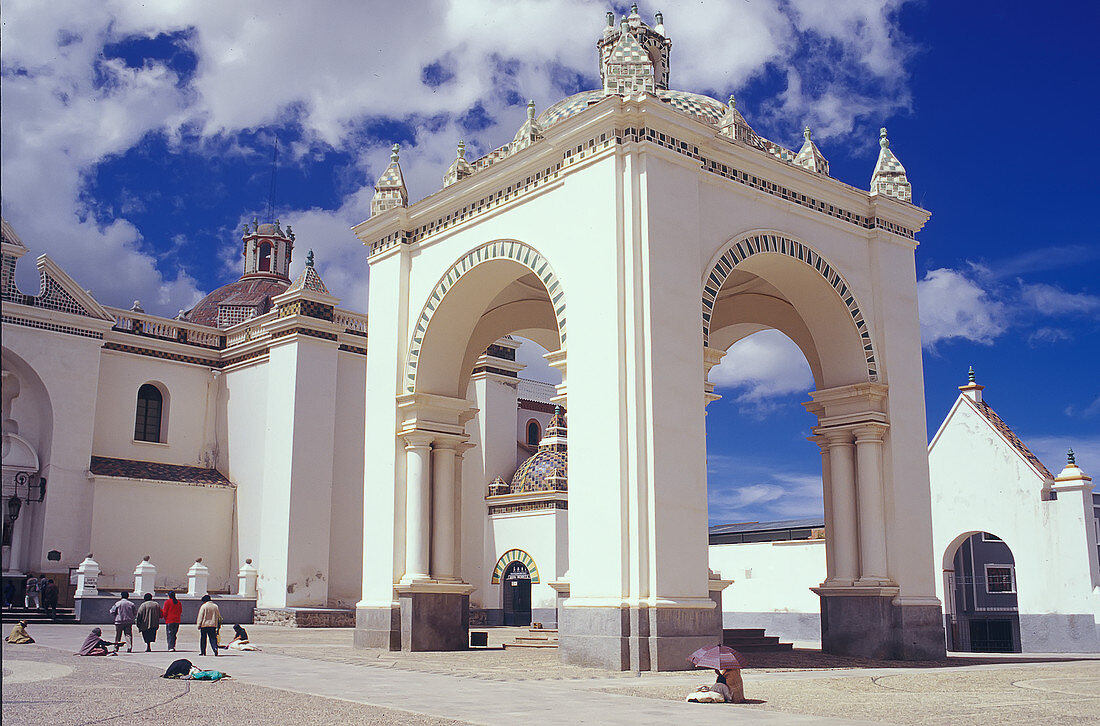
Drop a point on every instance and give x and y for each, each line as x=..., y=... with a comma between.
x=548, y=469
x=268, y=250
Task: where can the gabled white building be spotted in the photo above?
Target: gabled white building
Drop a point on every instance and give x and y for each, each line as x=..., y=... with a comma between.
x=987, y=485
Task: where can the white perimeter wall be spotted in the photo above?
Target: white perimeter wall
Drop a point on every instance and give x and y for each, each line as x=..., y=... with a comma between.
x=241, y=430
x=172, y=523
x=770, y=577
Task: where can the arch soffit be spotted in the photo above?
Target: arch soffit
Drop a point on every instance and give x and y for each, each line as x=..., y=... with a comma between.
x=953, y=547
x=767, y=242
x=497, y=250
x=515, y=555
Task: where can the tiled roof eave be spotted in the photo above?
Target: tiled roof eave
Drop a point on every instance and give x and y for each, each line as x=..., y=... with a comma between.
x=134, y=469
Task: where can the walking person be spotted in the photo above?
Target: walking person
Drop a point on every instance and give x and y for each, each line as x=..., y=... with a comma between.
x=171, y=612
x=208, y=620
x=148, y=620
x=49, y=597
x=125, y=613
x=34, y=600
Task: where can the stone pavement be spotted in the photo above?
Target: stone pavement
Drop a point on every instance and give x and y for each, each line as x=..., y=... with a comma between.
x=316, y=674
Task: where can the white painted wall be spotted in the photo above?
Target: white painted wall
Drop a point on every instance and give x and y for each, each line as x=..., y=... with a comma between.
x=346, y=523
x=770, y=577
x=187, y=402
x=172, y=523
x=242, y=427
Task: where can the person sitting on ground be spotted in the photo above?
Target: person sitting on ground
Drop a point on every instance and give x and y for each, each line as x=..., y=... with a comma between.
x=19, y=634
x=94, y=644
x=728, y=688
x=240, y=640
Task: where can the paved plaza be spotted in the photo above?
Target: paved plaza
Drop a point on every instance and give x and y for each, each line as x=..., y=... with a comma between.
x=314, y=676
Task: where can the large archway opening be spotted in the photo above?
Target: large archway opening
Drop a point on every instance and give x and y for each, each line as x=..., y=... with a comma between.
x=981, y=610
x=786, y=311
x=498, y=310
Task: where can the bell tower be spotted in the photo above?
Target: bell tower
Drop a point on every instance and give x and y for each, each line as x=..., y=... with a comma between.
x=634, y=57
x=268, y=250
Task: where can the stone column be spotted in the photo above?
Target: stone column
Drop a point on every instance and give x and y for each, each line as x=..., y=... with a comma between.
x=417, y=506
x=711, y=358
x=827, y=499
x=443, y=510
x=843, y=485
x=145, y=577
x=872, y=510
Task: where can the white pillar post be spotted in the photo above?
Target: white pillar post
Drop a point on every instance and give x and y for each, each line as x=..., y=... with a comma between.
x=197, y=578
x=827, y=500
x=145, y=577
x=246, y=579
x=87, y=578
x=843, y=485
x=872, y=509
x=443, y=509
x=417, y=506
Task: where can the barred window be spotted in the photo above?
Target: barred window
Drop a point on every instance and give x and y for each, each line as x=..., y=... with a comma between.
x=999, y=578
x=150, y=405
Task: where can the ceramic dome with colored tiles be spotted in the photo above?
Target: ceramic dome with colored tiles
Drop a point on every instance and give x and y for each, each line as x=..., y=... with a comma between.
x=548, y=469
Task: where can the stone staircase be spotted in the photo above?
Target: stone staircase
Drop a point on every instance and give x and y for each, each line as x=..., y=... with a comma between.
x=38, y=617
x=535, y=638
x=750, y=640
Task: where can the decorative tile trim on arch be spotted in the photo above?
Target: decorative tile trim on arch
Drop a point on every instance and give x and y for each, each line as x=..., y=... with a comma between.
x=499, y=249
x=519, y=556
x=763, y=242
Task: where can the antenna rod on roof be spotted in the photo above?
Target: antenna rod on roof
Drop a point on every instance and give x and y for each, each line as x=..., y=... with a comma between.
x=274, y=172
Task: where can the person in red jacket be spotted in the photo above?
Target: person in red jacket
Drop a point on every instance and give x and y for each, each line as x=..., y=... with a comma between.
x=171, y=612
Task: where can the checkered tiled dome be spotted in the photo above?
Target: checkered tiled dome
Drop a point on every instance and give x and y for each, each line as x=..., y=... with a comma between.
x=548, y=469
x=699, y=107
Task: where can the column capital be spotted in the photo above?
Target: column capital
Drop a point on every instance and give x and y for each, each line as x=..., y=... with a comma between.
x=417, y=439
x=870, y=431
x=835, y=437
x=448, y=442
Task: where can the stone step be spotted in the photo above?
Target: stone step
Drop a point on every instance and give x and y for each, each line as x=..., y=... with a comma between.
x=763, y=647
x=534, y=639
x=544, y=644
x=737, y=642
x=743, y=632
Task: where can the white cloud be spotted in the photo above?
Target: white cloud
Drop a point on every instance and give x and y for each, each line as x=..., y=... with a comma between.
x=955, y=306
x=332, y=68
x=767, y=496
x=761, y=368
x=1053, y=300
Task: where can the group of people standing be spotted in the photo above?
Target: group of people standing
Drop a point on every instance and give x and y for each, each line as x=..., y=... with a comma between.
x=39, y=593
x=150, y=613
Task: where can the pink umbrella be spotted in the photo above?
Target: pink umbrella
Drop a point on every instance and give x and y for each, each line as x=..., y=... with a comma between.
x=718, y=657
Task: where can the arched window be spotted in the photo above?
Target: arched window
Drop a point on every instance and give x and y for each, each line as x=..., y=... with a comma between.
x=150, y=407
x=533, y=433
x=265, y=258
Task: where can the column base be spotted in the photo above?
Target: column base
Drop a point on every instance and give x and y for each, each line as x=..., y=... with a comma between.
x=378, y=628
x=635, y=638
x=865, y=621
x=434, y=616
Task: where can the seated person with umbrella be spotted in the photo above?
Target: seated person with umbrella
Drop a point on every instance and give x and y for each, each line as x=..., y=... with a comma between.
x=727, y=663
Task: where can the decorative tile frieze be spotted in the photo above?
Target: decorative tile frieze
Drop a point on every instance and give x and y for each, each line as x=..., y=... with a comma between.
x=163, y=354
x=52, y=326
x=528, y=507
x=604, y=141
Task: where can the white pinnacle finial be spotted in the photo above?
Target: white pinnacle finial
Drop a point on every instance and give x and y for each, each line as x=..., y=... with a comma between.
x=531, y=110
x=882, y=140
x=395, y=153
x=806, y=133
x=461, y=149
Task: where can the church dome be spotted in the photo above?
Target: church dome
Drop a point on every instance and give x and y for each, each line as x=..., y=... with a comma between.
x=250, y=296
x=548, y=469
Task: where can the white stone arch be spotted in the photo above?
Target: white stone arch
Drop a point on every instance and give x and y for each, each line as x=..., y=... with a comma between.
x=505, y=250
x=748, y=248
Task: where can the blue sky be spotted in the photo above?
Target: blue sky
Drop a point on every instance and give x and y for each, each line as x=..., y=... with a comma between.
x=137, y=139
